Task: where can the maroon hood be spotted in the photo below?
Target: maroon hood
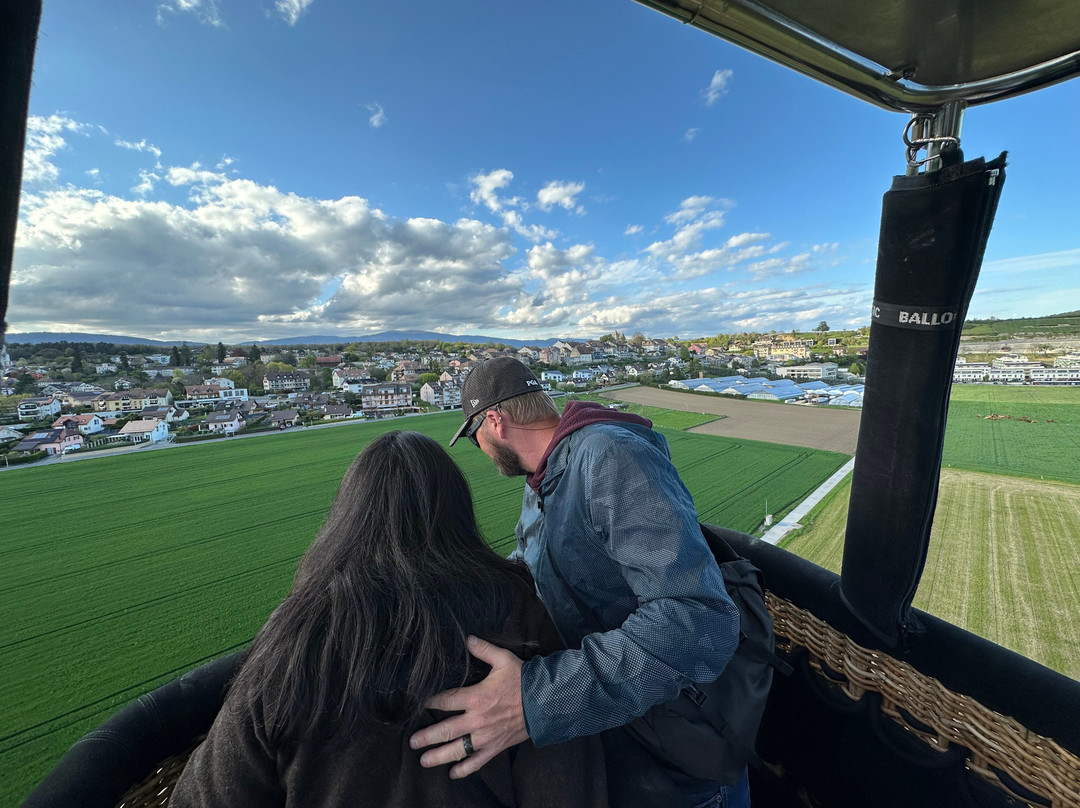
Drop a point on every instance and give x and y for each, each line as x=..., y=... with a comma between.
x=576, y=415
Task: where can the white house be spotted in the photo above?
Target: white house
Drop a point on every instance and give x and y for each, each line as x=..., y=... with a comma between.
x=552, y=376
x=87, y=424
x=8, y=433
x=212, y=393
x=33, y=409
x=444, y=395
x=284, y=418
x=335, y=412
x=145, y=430
x=584, y=354
x=225, y=422
x=385, y=397
x=813, y=370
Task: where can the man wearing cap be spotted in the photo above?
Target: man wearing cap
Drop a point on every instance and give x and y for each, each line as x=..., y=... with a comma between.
x=611, y=537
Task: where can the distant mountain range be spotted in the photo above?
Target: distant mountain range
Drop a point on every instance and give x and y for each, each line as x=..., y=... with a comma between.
x=35, y=337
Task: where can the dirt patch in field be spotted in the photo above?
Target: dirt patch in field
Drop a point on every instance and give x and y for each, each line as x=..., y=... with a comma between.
x=835, y=429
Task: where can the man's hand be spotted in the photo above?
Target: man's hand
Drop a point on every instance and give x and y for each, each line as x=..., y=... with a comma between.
x=492, y=715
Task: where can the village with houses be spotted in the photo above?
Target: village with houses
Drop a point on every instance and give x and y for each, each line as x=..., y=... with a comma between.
x=58, y=398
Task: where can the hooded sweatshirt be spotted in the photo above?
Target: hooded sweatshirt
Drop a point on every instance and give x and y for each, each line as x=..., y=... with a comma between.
x=578, y=415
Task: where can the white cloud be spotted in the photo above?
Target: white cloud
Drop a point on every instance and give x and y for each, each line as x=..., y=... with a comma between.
x=146, y=183
x=772, y=267
x=691, y=133
x=141, y=146
x=690, y=208
x=688, y=237
x=195, y=173
x=248, y=257
x=742, y=239
x=291, y=10
x=485, y=192
x=1043, y=262
x=486, y=186
x=533, y=232
x=44, y=138
x=718, y=86
x=563, y=194
x=378, y=116
x=199, y=252
x=205, y=11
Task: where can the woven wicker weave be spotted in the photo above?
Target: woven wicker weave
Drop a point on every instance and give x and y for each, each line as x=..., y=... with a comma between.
x=158, y=787
x=942, y=718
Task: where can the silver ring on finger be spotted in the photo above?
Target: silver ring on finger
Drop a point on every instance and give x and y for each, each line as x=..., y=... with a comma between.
x=466, y=741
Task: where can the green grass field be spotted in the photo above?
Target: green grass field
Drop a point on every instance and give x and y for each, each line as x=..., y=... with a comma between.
x=667, y=419
x=1007, y=570
x=119, y=573
x=1049, y=449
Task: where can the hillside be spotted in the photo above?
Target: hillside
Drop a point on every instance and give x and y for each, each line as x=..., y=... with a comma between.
x=1054, y=326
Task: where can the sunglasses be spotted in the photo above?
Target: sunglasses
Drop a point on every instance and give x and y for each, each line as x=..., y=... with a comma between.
x=474, y=427
x=477, y=422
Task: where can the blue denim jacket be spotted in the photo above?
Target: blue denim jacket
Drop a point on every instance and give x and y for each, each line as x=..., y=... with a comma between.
x=624, y=532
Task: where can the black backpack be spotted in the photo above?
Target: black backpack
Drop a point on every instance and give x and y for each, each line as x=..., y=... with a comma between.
x=708, y=731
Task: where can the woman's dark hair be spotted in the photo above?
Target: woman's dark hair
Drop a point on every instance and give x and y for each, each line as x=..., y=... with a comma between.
x=377, y=618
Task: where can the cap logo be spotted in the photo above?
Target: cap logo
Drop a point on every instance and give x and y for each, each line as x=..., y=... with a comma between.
x=531, y=382
x=474, y=401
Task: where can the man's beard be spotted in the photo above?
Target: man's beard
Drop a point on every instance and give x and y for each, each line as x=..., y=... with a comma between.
x=507, y=461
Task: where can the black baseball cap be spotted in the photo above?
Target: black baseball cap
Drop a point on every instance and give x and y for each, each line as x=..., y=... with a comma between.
x=490, y=382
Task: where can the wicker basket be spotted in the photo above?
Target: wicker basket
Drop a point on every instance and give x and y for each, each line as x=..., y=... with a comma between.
x=157, y=787
x=941, y=718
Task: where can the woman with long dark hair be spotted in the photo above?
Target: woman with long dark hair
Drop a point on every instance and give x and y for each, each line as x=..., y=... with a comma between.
x=335, y=682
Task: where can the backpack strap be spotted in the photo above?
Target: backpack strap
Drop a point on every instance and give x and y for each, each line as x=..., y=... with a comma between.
x=762, y=653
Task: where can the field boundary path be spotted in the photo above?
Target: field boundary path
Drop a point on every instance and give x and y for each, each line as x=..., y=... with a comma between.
x=791, y=521
x=835, y=429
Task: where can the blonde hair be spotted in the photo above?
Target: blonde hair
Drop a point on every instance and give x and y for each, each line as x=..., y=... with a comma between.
x=530, y=408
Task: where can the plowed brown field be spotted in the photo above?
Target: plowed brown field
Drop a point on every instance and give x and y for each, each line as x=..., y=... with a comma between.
x=835, y=429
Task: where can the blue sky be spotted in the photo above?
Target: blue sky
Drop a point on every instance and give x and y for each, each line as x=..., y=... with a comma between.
x=253, y=169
